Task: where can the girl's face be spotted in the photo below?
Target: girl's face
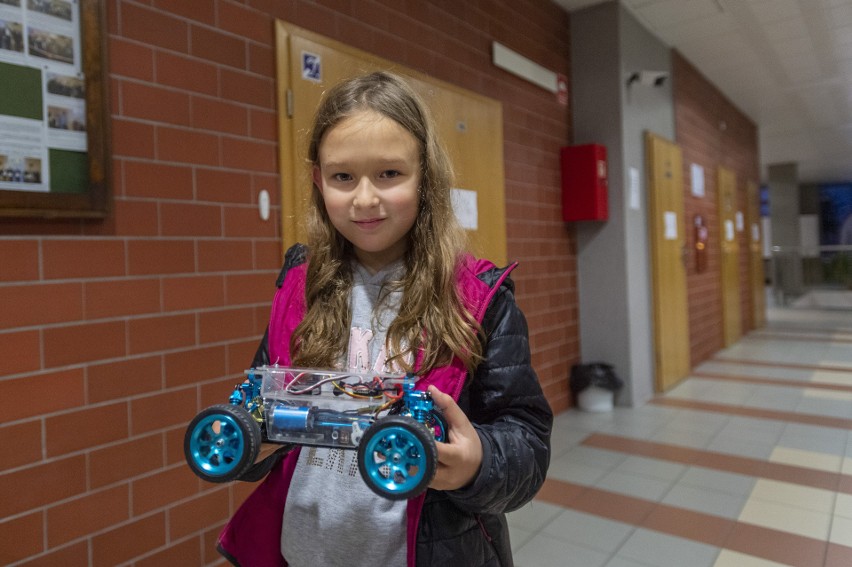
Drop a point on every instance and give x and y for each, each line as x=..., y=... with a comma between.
x=369, y=174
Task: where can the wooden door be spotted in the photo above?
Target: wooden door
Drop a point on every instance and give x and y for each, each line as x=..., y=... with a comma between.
x=668, y=245
x=470, y=125
x=729, y=261
x=757, y=284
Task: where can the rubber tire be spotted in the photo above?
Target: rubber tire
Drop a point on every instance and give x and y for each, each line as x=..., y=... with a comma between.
x=409, y=443
x=226, y=455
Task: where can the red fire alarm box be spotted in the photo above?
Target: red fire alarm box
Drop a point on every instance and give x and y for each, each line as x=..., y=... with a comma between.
x=584, y=183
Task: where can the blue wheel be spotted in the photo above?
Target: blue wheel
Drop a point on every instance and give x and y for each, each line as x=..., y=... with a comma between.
x=397, y=457
x=221, y=443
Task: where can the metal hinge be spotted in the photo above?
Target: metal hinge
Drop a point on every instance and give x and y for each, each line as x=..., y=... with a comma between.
x=289, y=101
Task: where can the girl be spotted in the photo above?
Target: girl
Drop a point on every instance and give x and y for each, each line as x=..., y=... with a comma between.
x=385, y=285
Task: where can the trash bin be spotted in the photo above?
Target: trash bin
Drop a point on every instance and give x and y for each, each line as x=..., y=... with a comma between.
x=594, y=386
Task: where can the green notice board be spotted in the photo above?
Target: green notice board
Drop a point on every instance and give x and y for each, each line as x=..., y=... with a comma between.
x=53, y=159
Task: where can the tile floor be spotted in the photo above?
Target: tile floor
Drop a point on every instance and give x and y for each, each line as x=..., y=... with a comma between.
x=746, y=463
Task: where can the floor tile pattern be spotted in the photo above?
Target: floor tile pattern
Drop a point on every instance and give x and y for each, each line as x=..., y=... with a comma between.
x=746, y=463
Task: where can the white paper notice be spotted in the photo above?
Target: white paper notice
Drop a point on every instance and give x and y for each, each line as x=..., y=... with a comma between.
x=464, y=205
x=740, y=222
x=670, y=225
x=729, y=230
x=697, y=177
x=635, y=203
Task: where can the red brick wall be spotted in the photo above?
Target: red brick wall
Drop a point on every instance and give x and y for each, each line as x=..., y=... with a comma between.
x=114, y=334
x=712, y=132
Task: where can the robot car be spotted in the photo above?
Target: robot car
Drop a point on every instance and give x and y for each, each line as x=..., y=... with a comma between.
x=392, y=426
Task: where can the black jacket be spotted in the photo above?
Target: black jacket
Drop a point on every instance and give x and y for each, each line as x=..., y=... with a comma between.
x=507, y=407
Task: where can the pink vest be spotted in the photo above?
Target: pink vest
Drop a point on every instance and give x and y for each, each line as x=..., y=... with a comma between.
x=253, y=535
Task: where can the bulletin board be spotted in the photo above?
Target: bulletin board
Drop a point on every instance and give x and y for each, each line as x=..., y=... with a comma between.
x=469, y=124
x=53, y=117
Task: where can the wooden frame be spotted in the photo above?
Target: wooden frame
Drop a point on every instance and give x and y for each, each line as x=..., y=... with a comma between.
x=91, y=199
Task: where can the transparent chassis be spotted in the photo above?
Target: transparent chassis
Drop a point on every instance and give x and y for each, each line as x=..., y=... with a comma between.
x=392, y=426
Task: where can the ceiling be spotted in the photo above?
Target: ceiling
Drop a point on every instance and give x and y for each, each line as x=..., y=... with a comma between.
x=786, y=64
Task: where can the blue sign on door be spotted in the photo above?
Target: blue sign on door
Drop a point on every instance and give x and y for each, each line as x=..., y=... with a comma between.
x=311, y=67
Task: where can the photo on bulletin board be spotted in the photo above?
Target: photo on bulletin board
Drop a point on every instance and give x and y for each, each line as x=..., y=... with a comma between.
x=835, y=214
x=53, y=116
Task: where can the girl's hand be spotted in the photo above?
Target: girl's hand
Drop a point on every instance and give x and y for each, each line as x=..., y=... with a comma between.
x=460, y=457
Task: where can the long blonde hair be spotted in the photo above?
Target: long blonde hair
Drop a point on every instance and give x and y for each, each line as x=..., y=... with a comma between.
x=431, y=318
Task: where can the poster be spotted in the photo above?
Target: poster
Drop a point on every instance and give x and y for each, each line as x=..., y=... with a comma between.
x=42, y=91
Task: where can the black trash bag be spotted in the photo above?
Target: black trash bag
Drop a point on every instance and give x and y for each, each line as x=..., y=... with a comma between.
x=597, y=374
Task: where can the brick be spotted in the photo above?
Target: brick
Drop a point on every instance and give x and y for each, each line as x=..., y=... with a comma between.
x=128, y=541
x=241, y=355
x=226, y=324
x=264, y=125
x=241, y=153
x=193, y=292
x=83, y=258
x=186, y=73
x=132, y=139
x=125, y=460
x=219, y=116
x=40, y=485
x=249, y=288
x=248, y=88
x=261, y=60
x=224, y=255
x=168, y=332
x=196, y=10
x=210, y=537
x=217, y=47
x=76, y=554
x=193, y=366
x=21, y=537
x=41, y=304
x=174, y=444
x=219, y=391
x=85, y=428
x=154, y=104
x=223, y=186
x=118, y=298
x=268, y=255
x=18, y=260
x=245, y=222
x=162, y=488
x=249, y=154
x=89, y=342
x=154, y=28
x=190, y=219
x=132, y=60
x=175, y=407
x=246, y=22
x=135, y=218
x=123, y=379
x=187, y=552
x=160, y=257
x=66, y=390
x=21, y=443
x=19, y=352
x=152, y=179
x=87, y=514
x=187, y=146
x=198, y=513
x=261, y=318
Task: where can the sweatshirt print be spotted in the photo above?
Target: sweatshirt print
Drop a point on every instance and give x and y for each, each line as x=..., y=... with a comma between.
x=331, y=517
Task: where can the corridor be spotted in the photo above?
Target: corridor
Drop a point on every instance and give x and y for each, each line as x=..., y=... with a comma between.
x=746, y=463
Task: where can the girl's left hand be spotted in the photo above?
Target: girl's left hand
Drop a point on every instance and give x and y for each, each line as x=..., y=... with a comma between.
x=460, y=457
